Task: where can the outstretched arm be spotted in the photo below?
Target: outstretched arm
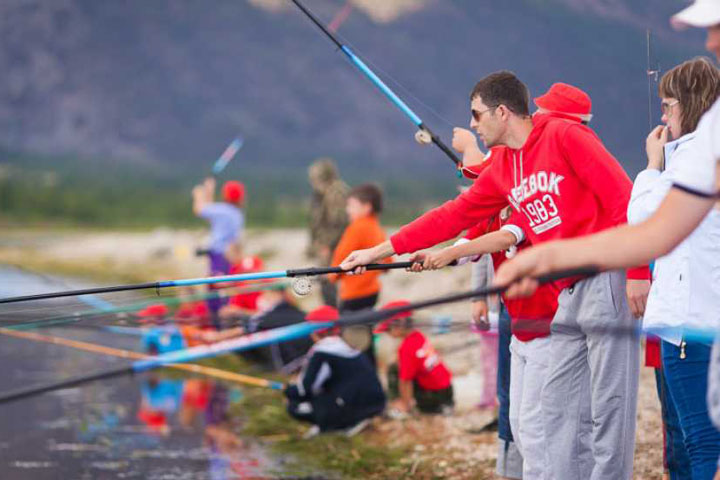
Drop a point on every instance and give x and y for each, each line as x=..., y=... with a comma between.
x=622, y=247
x=359, y=258
x=490, y=243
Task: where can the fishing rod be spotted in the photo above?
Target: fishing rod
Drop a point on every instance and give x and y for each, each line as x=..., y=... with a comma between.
x=116, y=352
x=227, y=155
x=268, y=337
x=423, y=135
x=170, y=301
x=652, y=79
x=301, y=284
x=90, y=300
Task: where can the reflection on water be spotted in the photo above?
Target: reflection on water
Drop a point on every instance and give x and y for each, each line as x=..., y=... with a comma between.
x=152, y=426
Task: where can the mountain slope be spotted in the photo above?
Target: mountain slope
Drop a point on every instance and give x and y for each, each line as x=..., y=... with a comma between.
x=172, y=81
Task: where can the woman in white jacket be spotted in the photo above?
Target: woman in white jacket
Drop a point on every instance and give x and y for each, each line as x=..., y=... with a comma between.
x=678, y=298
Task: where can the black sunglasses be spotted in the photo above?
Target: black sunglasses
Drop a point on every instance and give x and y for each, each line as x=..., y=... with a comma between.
x=477, y=114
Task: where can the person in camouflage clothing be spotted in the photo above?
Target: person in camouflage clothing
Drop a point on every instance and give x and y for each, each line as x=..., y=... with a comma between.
x=327, y=218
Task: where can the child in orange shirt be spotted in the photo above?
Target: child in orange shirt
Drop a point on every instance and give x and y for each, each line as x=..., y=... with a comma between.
x=364, y=204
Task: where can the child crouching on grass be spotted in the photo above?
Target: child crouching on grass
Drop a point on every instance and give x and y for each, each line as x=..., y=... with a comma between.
x=419, y=378
x=338, y=388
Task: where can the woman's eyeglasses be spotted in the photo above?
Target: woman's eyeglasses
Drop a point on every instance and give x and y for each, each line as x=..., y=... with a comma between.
x=666, y=107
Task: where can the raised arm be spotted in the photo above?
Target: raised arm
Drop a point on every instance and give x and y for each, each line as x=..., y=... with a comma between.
x=203, y=195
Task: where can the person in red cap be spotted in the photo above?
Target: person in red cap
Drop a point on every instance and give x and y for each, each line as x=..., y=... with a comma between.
x=246, y=302
x=562, y=179
x=161, y=336
x=503, y=237
x=226, y=224
x=276, y=309
x=337, y=387
x=423, y=381
x=226, y=219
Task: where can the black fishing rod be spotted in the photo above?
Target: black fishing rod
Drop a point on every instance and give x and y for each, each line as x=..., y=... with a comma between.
x=280, y=334
x=299, y=273
x=424, y=135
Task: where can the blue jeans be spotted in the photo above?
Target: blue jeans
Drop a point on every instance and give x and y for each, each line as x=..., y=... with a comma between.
x=676, y=456
x=503, y=375
x=687, y=384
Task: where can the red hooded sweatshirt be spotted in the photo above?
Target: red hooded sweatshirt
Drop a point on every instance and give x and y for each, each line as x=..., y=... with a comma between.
x=531, y=316
x=563, y=180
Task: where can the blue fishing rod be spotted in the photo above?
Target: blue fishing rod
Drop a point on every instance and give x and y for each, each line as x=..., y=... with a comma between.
x=301, y=283
x=276, y=335
x=423, y=135
x=227, y=155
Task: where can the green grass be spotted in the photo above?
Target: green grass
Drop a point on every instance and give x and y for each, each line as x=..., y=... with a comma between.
x=361, y=456
x=69, y=192
x=263, y=415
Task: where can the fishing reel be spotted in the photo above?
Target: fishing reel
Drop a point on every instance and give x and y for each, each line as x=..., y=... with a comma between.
x=423, y=137
x=301, y=286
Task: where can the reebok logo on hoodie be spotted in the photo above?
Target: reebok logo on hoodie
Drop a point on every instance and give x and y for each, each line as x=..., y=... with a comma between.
x=542, y=212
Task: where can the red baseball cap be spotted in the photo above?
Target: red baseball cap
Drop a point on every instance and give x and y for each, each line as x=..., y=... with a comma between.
x=323, y=314
x=156, y=310
x=567, y=99
x=193, y=310
x=233, y=191
x=385, y=324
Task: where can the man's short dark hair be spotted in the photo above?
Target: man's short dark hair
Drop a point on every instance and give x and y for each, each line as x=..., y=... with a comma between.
x=503, y=88
x=368, y=193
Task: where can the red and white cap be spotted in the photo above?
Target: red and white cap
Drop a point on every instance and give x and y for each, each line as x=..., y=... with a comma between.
x=702, y=14
x=385, y=324
x=566, y=99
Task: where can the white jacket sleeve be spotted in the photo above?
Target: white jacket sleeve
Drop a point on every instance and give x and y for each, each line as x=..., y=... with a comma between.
x=648, y=192
x=651, y=186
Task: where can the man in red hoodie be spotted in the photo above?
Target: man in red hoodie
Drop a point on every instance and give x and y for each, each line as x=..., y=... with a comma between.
x=558, y=174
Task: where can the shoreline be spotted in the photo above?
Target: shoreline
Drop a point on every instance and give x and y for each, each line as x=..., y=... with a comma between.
x=420, y=447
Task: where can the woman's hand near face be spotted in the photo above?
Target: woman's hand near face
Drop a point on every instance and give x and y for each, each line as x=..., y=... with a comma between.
x=655, y=145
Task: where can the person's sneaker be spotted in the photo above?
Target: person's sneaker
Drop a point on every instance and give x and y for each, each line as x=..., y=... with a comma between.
x=492, y=426
x=447, y=410
x=313, y=431
x=357, y=428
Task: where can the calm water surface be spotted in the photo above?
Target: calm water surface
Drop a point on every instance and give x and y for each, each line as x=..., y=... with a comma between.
x=152, y=426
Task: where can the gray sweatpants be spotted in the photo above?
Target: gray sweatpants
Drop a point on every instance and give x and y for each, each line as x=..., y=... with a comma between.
x=589, y=400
